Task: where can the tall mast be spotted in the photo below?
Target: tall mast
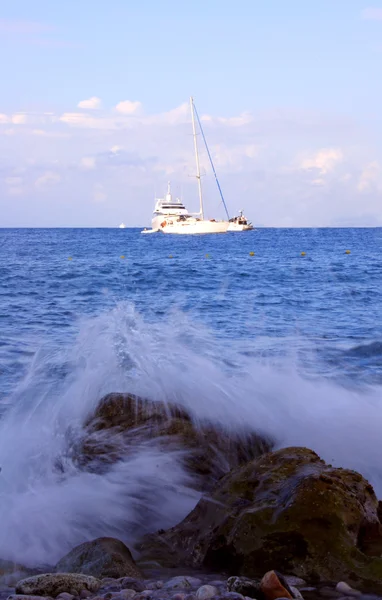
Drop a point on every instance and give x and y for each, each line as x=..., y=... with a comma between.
x=197, y=158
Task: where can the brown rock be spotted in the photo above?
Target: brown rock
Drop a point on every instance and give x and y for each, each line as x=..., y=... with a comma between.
x=287, y=510
x=272, y=588
x=121, y=421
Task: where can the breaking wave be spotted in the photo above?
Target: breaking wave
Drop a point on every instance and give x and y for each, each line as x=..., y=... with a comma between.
x=47, y=510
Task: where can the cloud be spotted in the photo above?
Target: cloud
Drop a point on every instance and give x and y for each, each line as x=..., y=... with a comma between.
x=47, y=179
x=369, y=177
x=14, y=186
x=92, y=103
x=99, y=194
x=127, y=107
x=87, y=121
x=372, y=13
x=19, y=119
x=324, y=160
x=23, y=27
x=3, y=119
x=88, y=163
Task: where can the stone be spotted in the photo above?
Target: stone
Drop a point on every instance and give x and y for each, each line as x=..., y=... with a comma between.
x=84, y=594
x=53, y=584
x=132, y=584
x=182, y=582
x=296, y=593
x=346, y=590
x=121, y=421
x=272, y=588
x=206, y=591
x=27, y=597
x=103, y=557
x=66, y=596
x=245, y=586
x=295, y=581
x=286, y=510
x=124, y=595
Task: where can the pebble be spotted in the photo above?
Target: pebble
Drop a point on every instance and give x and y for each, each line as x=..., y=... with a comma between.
x=294, y=581
x=206, y=591
x=84, y=594
x=154, y=585
x=295, y=592
x=66, y=596
x=343, y=588
x=124, y=595
x=131, y=583
x=182, y=582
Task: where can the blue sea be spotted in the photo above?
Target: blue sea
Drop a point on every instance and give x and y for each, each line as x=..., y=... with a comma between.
x=242, y=328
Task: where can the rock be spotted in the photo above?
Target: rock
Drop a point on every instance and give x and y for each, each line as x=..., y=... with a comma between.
x=103, y=557
x=182, y=583
x=132, y=584
x=53, y=584
x=296, y=593
x=295, y=581
x=246, y=587
x=66, y=596
x=286, y=510
x=272, y=588
x=27, y=597
x=346, y=590
x=206, y=591
x=84, y=594
x=125, y=595
x=121, y=421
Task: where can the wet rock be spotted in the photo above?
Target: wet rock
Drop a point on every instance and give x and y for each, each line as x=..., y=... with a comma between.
x=103, y=557
x=182, y=583
x=121, y=421
x=286, y=510
x=245, y=586
x=53, y=584
x=272, y=588
x=346, y=590
x=206, y=591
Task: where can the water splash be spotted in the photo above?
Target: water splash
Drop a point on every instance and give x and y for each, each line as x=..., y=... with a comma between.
x=48, y=509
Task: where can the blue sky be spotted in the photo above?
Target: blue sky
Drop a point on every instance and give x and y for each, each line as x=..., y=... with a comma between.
x=93, y=118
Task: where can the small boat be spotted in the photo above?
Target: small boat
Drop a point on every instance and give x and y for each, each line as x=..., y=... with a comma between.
x=122, y=226
x=239, y=223
x=149, y=230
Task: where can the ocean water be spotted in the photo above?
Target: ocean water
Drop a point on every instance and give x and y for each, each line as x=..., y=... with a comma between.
x=280, y=343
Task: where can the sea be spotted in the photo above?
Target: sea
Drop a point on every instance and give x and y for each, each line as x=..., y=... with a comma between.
x=274, y=330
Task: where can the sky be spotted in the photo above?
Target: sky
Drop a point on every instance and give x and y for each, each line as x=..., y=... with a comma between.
x=94, y=114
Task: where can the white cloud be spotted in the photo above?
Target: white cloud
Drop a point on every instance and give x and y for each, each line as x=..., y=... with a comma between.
x=99, y=194
x=116, y=149
x=3, y=119
x=128, y=107
x=88, y=163
x=325, y=160
x=49, y=178
x=14, y=186
x=372, y=13
x=92, y=103
x=369, y=177
x=86, y=121
x=19, y=119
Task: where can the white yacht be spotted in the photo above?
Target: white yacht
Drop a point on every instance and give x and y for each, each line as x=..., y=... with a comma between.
x=122, y=226
x=171, y=216
x=239, y=223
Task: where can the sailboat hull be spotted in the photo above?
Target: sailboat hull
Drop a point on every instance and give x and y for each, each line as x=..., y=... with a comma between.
x=191, y=227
